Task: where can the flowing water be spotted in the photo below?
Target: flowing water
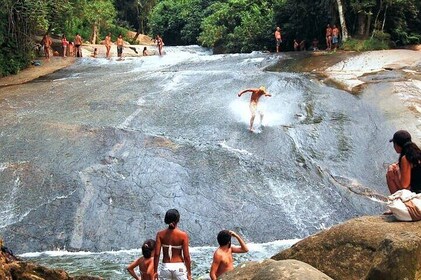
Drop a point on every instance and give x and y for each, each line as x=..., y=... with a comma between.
x=92, y=156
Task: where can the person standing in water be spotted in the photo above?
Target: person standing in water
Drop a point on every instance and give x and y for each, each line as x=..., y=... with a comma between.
x=175, y=250
x=107, y=43
x=159, y=43
x=222, y=258
x=406, y=173
x=145, y=263
x=120, y=45
x=256, y=93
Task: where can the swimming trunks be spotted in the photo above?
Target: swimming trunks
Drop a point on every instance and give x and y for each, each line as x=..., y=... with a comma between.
x=335, y=39
x=119, y=50
x=173, y=271
x=254, y=107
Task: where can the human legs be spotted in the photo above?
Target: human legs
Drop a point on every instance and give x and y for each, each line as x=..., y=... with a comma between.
x=393, y=176
x=253, y=108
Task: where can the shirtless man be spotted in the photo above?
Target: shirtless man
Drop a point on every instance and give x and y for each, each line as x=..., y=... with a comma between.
x=278, y=38
x=78, y=44
x=328, y=37
x=107, y=43
x=222, y=258
x=120, y=45
x=256, y=93
x=47, y=42
x=335, y=37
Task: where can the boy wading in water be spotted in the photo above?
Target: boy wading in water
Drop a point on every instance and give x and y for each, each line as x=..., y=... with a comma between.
x=256, y=93
x=222, y=258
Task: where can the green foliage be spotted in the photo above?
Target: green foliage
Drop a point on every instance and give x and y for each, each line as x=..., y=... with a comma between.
x=238, y=26
x=177, y=21
x=365, y=45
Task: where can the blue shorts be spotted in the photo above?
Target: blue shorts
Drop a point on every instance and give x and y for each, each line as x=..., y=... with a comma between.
x=335, y=39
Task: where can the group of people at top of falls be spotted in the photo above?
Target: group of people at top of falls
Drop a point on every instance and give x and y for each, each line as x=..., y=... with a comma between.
x=332, y=37
x=75, y=48
x=176, y=262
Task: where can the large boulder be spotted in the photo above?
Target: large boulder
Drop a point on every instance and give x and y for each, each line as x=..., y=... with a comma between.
x=374, y=247
x=272, y=270
x=12, y=268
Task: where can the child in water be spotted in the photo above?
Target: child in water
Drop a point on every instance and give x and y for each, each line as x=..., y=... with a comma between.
x=145, y=263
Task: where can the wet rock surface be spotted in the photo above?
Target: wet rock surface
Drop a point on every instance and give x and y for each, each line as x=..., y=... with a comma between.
x=270, y=269
x=93, y=155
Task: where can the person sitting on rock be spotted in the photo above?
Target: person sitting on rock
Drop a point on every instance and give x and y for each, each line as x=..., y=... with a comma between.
x=222, y=258
x=406, y=173
x=144, y=263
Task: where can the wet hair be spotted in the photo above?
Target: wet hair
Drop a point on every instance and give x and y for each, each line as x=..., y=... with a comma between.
x=147, y=248
x=224, y=238
x=172, y=217
x=412, y=153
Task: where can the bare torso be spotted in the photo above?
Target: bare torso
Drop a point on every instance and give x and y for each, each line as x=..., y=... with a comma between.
x=173, y=237
x=226, y=261
x=255, y=96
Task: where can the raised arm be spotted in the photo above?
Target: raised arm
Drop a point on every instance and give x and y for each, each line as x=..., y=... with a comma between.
x=243, y=248
x=131, y=268
x=244, y=91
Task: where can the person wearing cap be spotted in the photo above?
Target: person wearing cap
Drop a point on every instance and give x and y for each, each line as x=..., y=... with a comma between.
x=256, y=93
x=406, y=173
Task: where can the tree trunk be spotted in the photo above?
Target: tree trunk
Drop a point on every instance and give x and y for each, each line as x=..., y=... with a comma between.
x=344, y=30
x=376, y=20
x=384, y=18
x=368, y=26
x=361, y=24
x=94, y=36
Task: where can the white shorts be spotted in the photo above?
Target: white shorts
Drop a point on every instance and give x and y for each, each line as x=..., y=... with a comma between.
x=173, y=271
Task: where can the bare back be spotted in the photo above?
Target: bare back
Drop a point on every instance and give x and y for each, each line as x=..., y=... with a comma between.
x=175, y=238
x=146, y=268
x=256, y=94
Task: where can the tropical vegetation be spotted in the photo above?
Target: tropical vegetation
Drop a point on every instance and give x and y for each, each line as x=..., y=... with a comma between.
x=224, y=25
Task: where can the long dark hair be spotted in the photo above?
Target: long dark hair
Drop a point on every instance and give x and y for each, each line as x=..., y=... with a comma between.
x=412, y=153
x=172, y=217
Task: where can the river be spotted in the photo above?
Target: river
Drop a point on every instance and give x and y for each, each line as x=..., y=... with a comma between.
x=92, y=156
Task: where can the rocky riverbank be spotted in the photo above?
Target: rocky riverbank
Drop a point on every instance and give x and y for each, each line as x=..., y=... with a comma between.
x=371, y=247
x=12, y=268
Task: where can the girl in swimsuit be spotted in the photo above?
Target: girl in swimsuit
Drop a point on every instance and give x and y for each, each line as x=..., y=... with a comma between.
x=406, y=173
x=144, y=263
x=175, y=250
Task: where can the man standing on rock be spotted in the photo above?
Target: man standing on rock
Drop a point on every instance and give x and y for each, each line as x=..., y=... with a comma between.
x=78, y=45
x=256, y=93
x=278, y=38
x=47, y=42
x=222, y=258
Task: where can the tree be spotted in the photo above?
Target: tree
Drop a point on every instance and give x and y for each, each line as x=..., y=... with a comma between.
x=344, y=28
